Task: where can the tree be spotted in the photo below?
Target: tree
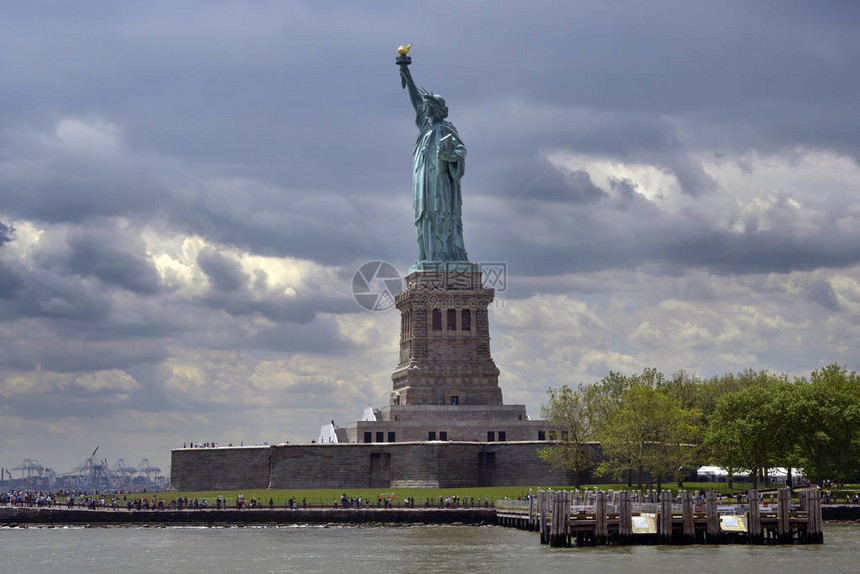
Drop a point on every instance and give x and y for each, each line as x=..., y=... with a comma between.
x=711, y=390
x=572, y=421
x=719, y=449
x=837, y=377
x=740, y=432
x=607, y=396
x=684, y=387
x=650, y=431
x=784, y=410
x=827, y=420
x=675, y=449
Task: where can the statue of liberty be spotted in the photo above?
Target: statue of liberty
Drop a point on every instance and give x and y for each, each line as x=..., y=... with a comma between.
x=438, y=164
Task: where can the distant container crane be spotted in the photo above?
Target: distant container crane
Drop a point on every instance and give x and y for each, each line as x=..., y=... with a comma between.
x=123, y=473
x=92, y=474
x=33, y=475
x=145, y=472
x=30, y=468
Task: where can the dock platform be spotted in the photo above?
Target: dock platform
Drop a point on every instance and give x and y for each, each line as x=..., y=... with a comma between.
x=589, y=518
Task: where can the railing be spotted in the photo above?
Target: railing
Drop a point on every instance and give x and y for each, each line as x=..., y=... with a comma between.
x=512, y=504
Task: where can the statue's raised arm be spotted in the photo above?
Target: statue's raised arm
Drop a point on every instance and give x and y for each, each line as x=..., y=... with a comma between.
x=406, y=81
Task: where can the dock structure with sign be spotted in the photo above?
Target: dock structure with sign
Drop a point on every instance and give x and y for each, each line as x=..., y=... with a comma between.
x=589, y=518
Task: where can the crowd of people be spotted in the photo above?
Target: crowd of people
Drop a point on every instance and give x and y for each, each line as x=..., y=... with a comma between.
x=382, y=501
x=27, y=498
x=389, y=501
x=116, y=501
x=457, y=502
x=830, y=497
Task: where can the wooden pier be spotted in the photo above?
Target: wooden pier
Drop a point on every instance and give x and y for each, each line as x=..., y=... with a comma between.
x=593, y=517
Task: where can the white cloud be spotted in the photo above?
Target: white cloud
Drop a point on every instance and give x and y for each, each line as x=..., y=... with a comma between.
x=658, y=185
x=41, y=382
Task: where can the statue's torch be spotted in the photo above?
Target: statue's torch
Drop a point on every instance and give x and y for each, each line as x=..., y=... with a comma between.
x=403, y=60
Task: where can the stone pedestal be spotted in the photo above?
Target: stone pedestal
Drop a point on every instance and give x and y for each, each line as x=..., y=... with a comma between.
x=445, y=340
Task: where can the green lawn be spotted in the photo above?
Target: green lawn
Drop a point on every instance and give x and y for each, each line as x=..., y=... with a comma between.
x=327, y=497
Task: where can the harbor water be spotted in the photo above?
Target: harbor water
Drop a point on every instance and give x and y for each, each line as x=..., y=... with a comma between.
x=382, y=549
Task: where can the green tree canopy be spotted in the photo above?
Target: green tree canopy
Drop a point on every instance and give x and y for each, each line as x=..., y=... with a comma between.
x=740, y=433
x=756, y=420
x=649, y=431
x=827, y=421
x=572, y=420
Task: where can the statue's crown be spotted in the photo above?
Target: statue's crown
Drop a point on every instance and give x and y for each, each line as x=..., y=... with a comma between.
x=434, y=99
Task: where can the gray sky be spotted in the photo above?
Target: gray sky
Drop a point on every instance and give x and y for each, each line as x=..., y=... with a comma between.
x=193, y=185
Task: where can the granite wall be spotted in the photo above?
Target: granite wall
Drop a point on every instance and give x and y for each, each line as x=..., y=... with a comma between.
x=388, y=465
x=227, y=468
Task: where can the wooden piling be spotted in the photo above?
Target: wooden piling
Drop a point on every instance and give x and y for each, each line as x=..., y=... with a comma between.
x=550, y=514
x=543, y=501
x=783, y=525
x=814, y=531
x=547, y=509
x=564, y=519
x=688, y=531
x=625, y=518
x=601, y=527
x=567, y=529
x=560, y=519
x=664, y=525
x=713, y=528
x=530, y=519
x=550, y=527
x=754, y=519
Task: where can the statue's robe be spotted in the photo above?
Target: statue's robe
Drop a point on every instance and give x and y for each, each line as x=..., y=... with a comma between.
x=436, y=195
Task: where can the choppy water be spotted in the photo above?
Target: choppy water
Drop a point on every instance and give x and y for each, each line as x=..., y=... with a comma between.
x=391, y=549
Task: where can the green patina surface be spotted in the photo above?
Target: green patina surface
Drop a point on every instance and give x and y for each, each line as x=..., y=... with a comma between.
x=438, y=165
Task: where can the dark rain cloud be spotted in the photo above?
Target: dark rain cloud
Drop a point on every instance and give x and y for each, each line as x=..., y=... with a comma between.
x=49, y=295
x=6, y=233
x=601, y=81
x=225, y=274
x=821, y=292
x=10, y=283
x=535, y=179
x=50, y=347
x=98, y=254
x=316, y=337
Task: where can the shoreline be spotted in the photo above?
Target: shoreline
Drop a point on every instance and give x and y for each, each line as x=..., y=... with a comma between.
x=61, y=516
x=55, y=516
